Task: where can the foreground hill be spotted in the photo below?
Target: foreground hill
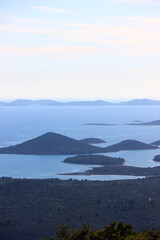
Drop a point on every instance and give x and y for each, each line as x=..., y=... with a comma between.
x=51, y=144
x=129, y=145
x=54, y=144
x=34, y=209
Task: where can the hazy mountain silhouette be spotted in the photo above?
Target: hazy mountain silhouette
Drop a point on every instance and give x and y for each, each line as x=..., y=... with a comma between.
x=48, y=102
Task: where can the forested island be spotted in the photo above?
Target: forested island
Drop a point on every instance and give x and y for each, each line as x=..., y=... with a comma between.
x=94, y=160
x=53, y=144
x=156, y=158
x=34, y=209
x=129, y=145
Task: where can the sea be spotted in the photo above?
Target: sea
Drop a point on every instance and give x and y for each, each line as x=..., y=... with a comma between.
x=18, y=124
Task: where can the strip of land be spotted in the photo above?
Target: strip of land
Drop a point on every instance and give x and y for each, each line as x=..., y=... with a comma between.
x=152, y=123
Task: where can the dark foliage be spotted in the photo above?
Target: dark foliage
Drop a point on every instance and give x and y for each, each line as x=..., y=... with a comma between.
x=156, y=158
x=94, y=160
x=113, y=231
x=33, y=209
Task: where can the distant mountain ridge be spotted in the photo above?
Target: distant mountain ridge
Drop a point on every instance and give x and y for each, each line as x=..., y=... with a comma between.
x=140, y=102
x=49, y=102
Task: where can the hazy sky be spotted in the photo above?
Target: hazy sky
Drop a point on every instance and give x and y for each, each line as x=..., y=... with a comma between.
x=80, y=49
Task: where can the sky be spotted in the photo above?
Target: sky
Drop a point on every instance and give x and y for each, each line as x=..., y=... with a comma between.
x=70, y=49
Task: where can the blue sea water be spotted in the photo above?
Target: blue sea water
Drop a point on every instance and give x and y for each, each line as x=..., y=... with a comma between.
x=18, y=124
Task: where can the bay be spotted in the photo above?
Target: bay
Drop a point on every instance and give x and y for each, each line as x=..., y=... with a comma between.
x=18, y=124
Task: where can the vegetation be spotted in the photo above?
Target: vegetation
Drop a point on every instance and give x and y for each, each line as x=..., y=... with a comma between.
x=94, y=160
x=34, y=209
x=156, y=158
x=113, y=231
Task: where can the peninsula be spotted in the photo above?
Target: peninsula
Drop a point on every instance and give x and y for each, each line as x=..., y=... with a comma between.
x=120, y=170
x=152, y=123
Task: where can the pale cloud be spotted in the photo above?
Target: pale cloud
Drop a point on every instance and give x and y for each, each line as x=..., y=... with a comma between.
x=52, y=10
x=137, y=39
x=11, y=53
x=129, y=37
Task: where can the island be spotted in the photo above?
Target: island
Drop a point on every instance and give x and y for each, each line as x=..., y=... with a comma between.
x=130, y=145
x=56, y=144
x=34, y=208
x=92, y=140
x=95, y=160
x=51, y=144
x=156, y=143
x=156, y=158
